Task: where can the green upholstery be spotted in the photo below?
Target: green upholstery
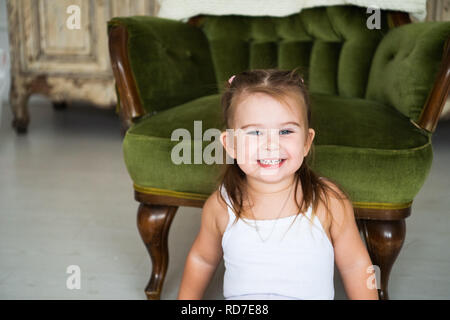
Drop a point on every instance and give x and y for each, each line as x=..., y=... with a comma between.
x=406, y=64
x=332, y=45
x=386, y=158
x=366, y=86
x=372, y=150
x=170, y=60
x=147, y=148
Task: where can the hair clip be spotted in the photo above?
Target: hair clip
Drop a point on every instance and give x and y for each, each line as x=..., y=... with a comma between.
x=231, y=79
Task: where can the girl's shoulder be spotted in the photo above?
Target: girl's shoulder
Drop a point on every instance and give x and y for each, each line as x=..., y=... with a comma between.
x=219, y=209
x=332, y=185
x=339, y=205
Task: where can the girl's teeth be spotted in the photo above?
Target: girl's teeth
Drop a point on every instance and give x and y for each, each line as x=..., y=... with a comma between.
x=270, y=161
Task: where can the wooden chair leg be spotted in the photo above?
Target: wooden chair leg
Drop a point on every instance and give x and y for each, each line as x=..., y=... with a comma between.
x=154, y=223
x=384, y=239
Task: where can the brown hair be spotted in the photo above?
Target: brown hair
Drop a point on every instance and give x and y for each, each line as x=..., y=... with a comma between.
x=279, y=84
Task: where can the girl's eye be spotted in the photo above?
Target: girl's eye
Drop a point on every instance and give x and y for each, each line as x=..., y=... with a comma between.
x=258, y=132
x=286, y=130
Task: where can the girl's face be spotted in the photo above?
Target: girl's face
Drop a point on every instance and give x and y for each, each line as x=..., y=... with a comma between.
x=269, y=139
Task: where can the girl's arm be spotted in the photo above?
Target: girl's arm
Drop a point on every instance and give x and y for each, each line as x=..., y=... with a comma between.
x=205, y=254
x=351, y=256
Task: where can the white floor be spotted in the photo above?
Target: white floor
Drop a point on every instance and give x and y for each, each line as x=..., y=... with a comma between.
x=66, y=199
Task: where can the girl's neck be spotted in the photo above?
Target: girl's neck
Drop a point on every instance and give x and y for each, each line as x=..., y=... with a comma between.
x=268, y=198
x=258, y=189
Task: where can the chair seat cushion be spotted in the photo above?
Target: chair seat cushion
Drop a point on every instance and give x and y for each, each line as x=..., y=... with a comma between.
x=147, y=148
x=371, y=150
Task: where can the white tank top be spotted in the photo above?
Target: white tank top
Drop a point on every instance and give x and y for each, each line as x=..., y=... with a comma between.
x=292, y=264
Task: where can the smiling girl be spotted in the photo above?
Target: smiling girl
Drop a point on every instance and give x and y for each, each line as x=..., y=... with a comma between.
x=278, y=226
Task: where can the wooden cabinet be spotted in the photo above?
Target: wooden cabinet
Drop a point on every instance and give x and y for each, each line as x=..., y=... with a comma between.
x=59, y=49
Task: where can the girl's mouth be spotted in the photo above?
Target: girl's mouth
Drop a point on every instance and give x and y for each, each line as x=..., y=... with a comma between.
x=271, y=163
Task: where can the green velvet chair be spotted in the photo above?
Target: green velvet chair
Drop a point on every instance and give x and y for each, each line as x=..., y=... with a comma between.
x=376, y=98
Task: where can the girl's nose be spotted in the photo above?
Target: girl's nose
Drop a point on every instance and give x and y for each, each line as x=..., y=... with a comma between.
x=273, y=139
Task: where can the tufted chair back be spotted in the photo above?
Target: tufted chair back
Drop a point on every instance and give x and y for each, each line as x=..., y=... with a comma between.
x=338, y=54
x=332, y=45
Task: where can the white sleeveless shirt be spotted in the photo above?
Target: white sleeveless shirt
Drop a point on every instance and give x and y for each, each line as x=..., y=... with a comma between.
x=291, y=264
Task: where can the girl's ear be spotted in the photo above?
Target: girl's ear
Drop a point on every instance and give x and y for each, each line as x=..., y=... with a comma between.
x=308, y=141
x=227, y=140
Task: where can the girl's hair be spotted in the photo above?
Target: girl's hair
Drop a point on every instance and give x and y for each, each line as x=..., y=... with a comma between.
x=279, y=84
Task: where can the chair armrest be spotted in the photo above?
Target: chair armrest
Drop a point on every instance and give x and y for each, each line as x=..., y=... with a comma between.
x=438, y=95
x=407, y=68
x=158, y=63
x=128, y=102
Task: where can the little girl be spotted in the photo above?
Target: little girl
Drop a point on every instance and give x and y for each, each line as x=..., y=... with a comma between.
x=278, y=226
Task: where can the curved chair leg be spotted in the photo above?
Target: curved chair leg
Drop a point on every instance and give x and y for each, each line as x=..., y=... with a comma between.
x=154, y=223
x=384, y=239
